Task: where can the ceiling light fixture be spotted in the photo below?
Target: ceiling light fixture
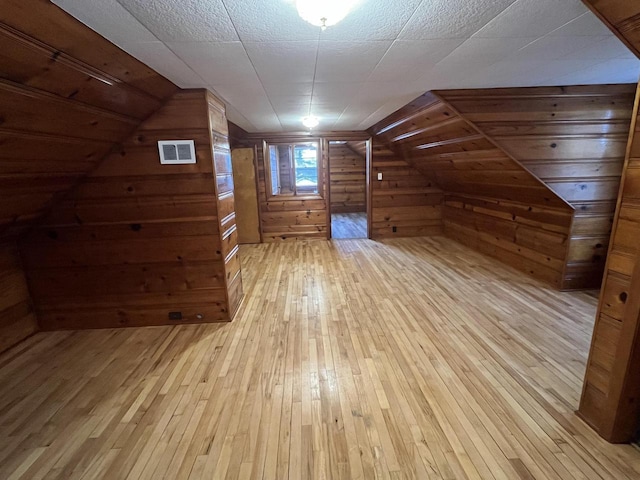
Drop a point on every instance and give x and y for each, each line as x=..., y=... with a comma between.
x=310, y=121
x=324, y=13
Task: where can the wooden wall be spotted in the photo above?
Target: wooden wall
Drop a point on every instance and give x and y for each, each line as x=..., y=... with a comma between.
x=622, y=17
x=405, y=203
x=67, y=95
x=348, y=170
x=137, y=240
x=610, y=399
x=574, y=140
x=17, y=319
x=293, y=218
x=611, y=394
x=491, y=202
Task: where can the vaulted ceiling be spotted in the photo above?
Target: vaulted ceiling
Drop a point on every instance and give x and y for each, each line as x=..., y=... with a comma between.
x=272, y=68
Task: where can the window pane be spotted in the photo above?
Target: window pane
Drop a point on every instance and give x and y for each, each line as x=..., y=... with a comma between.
x=306, y=167
x=273, y=160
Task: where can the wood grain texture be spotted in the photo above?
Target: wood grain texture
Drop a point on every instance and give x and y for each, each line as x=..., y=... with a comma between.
x=348, y=182
x=574, y=140
x=348, y=225
x=405, y=203
x=67, y=96
x=137, y=239
x=610, y=396
x=622, y=17
x=17, y=319
x=404, y=359
x=246, y=195
x=491, y=202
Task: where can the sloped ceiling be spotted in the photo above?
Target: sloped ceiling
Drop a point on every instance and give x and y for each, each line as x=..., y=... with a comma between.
x=67, y=96
x=272, y=68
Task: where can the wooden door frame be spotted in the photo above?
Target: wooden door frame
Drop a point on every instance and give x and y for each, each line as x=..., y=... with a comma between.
x=326, y=143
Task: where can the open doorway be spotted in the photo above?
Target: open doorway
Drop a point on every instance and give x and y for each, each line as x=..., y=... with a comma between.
x=348, y=189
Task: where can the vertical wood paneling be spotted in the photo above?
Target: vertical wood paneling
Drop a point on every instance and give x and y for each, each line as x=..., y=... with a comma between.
x=17, y=319
x=574, y=140
x=348, y=170
x=137, y=240
x=67, y=95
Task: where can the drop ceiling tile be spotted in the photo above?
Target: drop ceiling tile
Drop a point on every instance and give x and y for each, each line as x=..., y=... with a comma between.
x=236, y=117
x=270, y=21
x=587, y=25
x=287, y=62
x=109, y=19
x=451, y=18
x=606, y=49
x=157, y=56
x=612, y=71
x=532, y=18
x=288, y=88
x=184, y=20
x=407, y=60
x=371, y=20
x=348, y=61
x=336, y=92
x=552, y=48
x=487, y=50
x=216, y=63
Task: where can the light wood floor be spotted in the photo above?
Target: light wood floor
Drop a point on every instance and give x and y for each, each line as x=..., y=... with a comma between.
x=412, y=358
x=348, y=225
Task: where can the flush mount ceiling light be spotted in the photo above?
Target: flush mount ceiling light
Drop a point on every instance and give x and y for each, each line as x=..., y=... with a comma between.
x=310, y=121
x=324, y=13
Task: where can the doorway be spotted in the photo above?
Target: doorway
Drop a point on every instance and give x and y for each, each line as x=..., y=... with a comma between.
x=348, y=189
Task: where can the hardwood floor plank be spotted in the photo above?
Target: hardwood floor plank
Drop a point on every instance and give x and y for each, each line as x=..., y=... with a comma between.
x=408, y=358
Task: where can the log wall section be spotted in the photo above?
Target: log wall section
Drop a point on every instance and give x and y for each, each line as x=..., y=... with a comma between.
x=137, y=240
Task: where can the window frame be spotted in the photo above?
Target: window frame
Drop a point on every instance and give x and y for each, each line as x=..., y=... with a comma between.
x=292, y=143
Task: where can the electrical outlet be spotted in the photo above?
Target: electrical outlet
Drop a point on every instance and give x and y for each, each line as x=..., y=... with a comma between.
x=395, y=229
x=379, y=175
x=175, y=315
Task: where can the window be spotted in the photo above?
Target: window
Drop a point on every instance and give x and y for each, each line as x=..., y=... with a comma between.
x=294, y=168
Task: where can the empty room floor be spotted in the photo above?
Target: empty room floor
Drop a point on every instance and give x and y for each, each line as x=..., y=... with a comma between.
x=348, y=225
x=409, y=358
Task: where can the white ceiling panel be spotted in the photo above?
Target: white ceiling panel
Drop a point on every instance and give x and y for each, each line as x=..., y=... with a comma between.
x=284, y=62
x=184, y=20
x=159, y=57
x=552, y=48
x=451, y=18
x=531, y=18
x=586, y=24
x=270, y=21
x=349, y=61
x=271, y=67
x=487, y=50
x=216, y=63
x=109, y=19
x=409, y=59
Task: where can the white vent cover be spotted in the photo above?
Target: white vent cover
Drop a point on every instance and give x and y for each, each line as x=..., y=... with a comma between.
x=177, y=152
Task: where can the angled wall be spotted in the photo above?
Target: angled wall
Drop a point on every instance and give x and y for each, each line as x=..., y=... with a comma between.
x=137, y=240
x=67, y=97
x=491, y=202
x=574, y=140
